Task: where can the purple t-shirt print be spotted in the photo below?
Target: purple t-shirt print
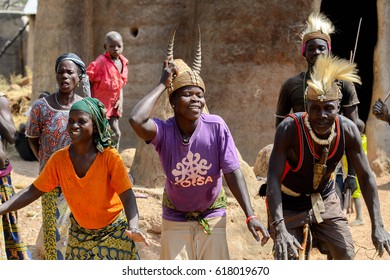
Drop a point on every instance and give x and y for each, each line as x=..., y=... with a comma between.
x=191, y=171
x=194, y=170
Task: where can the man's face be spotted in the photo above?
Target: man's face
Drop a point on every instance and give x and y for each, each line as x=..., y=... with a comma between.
x=322, y=115
x=314, y=48
x=189, y=102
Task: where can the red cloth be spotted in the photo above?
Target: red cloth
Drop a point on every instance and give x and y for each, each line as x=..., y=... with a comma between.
x=107, y=82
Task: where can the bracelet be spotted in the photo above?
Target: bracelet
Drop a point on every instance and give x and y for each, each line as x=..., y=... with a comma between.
x=135, y=230
x=351, y=176
x=249, y=218
x=276, y=222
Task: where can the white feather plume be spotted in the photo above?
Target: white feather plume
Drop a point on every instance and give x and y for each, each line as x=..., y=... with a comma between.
x=328, y=69
x=318, y=22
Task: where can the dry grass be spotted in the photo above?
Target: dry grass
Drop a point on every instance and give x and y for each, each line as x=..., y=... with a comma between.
x=18, y=90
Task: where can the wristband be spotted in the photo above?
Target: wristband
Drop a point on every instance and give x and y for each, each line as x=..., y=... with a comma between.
x=276, y=222
x=135, y=230
x=351, y=176
x=249, y=218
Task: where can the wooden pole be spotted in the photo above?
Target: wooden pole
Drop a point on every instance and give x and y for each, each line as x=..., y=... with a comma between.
x=356, y=41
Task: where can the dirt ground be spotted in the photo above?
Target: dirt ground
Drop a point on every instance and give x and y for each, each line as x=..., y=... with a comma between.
x=30, y=217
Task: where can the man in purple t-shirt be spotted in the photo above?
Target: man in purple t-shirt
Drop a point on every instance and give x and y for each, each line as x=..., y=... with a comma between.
x=195, y=149
x=194, y=170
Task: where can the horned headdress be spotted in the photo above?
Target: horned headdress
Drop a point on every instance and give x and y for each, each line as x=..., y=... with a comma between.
x=325, y=73
x=186, y=75
x=318, y=26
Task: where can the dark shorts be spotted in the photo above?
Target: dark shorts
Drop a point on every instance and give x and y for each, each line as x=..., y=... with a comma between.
x=332, y=236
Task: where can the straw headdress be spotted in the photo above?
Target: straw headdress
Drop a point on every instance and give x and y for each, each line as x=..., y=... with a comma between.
x=318, y=26
x=186, y=75
x=326, y=72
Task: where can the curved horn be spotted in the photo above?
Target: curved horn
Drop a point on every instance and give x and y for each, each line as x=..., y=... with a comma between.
x=196, y=66
x=171, y=41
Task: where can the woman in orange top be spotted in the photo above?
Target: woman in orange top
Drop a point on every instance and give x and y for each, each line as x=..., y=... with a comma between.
x=95, y=183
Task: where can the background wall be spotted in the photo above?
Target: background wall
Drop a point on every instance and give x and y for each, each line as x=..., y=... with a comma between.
x=13, y=48
x=378, y=136
x=248, y=48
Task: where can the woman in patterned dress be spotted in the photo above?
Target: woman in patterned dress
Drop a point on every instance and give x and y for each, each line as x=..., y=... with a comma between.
x=46, y=132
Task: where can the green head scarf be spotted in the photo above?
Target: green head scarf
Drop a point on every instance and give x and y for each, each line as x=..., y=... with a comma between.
x=97, y=110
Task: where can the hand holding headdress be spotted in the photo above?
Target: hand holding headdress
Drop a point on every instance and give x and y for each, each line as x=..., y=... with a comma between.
x=186, y=76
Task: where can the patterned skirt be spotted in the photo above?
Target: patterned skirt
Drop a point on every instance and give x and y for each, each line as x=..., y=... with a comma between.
x=56, y=223
x=11, y=245
x=108, y=243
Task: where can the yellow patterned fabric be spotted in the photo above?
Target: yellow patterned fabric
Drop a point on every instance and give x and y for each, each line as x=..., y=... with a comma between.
x=108, y=243
x=3, y=255
x=11, y=245
x=55, y=213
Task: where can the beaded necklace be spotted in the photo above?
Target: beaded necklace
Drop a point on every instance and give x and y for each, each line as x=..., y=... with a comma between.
x=322, y=142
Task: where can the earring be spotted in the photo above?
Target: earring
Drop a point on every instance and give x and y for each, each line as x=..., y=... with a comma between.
x=173, y=106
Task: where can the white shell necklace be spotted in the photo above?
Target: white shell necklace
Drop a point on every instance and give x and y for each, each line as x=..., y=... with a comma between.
x=58, y=103
x=322, y=142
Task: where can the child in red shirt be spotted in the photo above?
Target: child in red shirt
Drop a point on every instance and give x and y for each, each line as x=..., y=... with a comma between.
x=108, y=75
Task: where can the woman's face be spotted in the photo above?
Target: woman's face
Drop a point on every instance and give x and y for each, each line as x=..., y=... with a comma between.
x=189, y=102
x=67, y=76
x=80, y=126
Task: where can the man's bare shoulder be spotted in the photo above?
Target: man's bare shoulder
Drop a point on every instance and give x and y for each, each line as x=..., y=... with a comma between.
x=351, y=131
x=287, y=127
x=347, y=124
x=286, y=141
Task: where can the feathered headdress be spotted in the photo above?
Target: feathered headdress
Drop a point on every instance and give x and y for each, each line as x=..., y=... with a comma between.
x=326, y=71
x=318, y=26
x=186, y=76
